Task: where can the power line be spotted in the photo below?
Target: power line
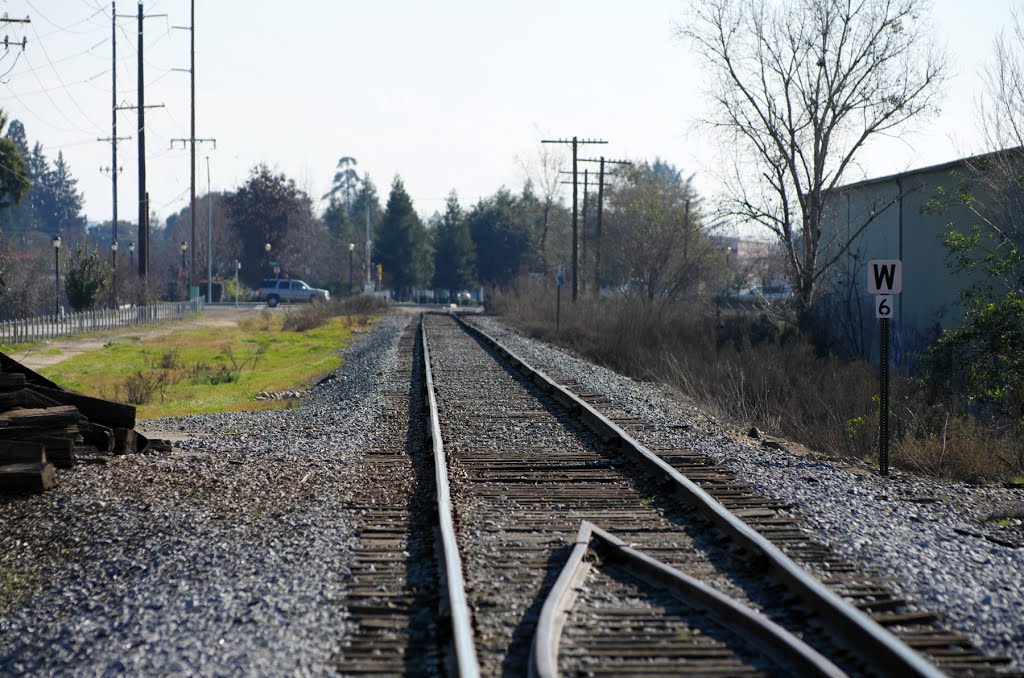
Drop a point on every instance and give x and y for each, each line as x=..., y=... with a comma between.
x=576, y=142
x=56, y=73
x=78, y=82
x=140, y=107
x=64, y=29
x=600, y=213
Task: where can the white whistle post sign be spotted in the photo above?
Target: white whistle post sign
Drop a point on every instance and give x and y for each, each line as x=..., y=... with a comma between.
x=885, y=278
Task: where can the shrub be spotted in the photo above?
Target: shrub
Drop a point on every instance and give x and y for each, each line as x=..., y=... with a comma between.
x=169, y=360
x=316, y=314
x=307, y=317
x=139, y=388
x=204, y=373
x=85, y=278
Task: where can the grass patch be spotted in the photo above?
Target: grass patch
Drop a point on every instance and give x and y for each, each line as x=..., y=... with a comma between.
x=208, y=369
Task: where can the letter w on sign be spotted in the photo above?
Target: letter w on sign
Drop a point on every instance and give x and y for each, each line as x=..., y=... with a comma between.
x=885, y=276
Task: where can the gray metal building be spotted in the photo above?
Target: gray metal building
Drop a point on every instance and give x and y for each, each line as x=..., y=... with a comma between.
x=900, y=220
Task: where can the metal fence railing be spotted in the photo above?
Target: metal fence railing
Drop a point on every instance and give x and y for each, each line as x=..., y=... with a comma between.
x=41, y=328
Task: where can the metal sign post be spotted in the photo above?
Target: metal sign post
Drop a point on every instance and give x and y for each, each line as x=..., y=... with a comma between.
x=885, y=278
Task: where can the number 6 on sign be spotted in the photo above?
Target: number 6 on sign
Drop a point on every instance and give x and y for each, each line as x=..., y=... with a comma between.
x=883, y=306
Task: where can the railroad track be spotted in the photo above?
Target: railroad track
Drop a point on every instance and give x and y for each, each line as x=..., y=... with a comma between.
x=569, y=548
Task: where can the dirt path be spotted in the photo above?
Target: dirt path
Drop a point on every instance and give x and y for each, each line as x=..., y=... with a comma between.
x=49, y=353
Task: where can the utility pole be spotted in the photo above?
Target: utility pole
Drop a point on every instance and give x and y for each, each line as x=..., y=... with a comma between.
x=7, y=40
x=191, y=70
x=600, y=212
x=140, y=107
x=576, y=142
x=114, y=169
x=192, y=141
x=369, y=244
x=209, y=237
x=583, y=231
x=143, y=194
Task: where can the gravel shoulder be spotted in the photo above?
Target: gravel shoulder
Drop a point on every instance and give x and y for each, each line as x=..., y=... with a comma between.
x=227, y=556
x=230, y=555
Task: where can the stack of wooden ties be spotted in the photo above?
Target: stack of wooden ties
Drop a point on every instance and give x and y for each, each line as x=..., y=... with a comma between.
x=43, y=426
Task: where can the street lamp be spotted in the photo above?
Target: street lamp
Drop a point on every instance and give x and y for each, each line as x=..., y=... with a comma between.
x=113, y=272
x=266, y=248
x=184, y=247
x=131, y=253
x=351, y=248
x=56, y=275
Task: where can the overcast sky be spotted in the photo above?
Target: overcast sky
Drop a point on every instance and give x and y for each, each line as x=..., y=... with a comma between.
x=448, y=93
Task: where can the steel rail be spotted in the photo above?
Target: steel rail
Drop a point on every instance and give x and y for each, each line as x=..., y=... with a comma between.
x=555, y=611
x=773, y=640
x=849, y=626
x=458, y=609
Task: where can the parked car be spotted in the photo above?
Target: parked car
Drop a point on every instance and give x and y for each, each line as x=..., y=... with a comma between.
x=275, y=290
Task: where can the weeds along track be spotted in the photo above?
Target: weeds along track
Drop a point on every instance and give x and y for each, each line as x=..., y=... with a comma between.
x=582, y=552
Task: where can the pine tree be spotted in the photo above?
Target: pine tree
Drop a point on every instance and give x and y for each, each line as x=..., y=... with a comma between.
x=402, y=243
x=66, y=216
x=501, y=236
x=14, y=183
x=454, y=254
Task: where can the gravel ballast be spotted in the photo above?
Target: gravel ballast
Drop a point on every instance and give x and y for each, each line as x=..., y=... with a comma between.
x=230, y=555
x=928, y=536
x=227, y=556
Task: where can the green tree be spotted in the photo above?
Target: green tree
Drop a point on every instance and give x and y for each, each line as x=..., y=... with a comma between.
x=85, y=278
x=19, y=218
x=454, y=255
x=359, y=226
x=798, y=89
x=982, y=359
x=14, y=181
x=401, y=245
x=270, y=208
x=338, y=216
x=655, y=233
x=500, y=228
x=345, y=185
x=66, y=203
x=366, y=203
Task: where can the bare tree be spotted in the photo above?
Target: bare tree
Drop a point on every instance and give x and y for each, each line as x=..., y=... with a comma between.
x=999, y=204
x=544, y=174
x=798, y=89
